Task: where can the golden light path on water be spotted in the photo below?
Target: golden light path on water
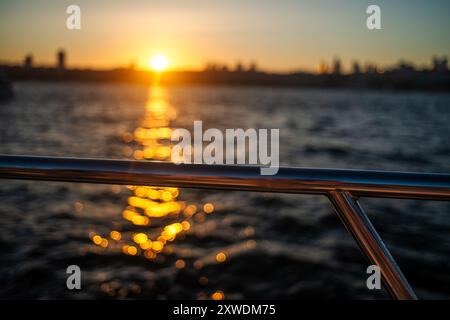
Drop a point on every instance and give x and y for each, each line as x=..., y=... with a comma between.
x=149, y=207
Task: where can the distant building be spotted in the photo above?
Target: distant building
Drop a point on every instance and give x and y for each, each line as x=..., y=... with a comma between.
x=61, y=59
x=337, y=66
x=370, y=68
x=216, y=67
x=213, y=67
x=253, y=67
x=132, y=65
x=239, y=67
x=356, y=68
x=322, y=68
x=28, y=61
x=440, y=64
x=405, y=67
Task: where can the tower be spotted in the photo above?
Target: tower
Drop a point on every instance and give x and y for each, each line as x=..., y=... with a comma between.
x=28, y=61
x=61, y=59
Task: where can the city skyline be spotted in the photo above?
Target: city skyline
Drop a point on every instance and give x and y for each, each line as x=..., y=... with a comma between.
x=301, y=34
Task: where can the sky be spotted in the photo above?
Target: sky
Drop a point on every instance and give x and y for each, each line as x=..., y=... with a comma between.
x=279, y=35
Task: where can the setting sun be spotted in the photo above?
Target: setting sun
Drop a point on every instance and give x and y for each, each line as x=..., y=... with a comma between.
x=159, y=63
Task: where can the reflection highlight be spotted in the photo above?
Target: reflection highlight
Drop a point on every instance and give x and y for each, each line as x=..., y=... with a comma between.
x=149, y=207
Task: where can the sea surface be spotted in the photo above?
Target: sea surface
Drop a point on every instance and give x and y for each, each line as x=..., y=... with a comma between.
x=171, y=243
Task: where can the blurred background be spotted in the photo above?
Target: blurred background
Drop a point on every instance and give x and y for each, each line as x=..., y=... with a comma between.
x=342, y=96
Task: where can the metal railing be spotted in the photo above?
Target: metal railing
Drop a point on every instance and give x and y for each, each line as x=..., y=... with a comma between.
x=342, y=187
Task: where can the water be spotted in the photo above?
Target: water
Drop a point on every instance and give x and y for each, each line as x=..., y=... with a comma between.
x=274, y=246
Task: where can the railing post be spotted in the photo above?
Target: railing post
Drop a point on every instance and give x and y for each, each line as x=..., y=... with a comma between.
x=362, y=230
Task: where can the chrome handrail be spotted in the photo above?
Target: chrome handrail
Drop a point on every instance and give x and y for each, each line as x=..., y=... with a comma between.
x=342, y=187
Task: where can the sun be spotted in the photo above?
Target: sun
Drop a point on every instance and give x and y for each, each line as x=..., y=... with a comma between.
x=159, y=63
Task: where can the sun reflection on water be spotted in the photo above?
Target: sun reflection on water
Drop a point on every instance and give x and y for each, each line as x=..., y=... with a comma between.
x=149, y=208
